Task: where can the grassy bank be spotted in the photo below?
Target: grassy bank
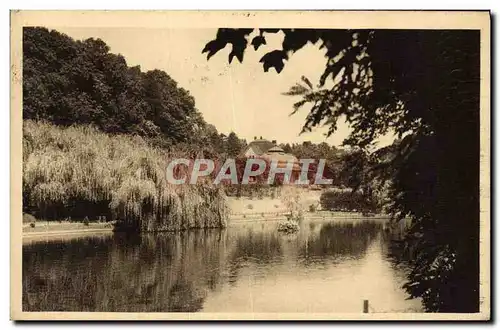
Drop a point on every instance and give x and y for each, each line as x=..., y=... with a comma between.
x=65, y=226
x=81, y=174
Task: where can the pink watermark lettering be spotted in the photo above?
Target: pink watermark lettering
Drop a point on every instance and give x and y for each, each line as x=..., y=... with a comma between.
x=249, y=171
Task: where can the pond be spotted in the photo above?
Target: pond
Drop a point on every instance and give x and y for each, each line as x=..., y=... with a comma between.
x=329, y=266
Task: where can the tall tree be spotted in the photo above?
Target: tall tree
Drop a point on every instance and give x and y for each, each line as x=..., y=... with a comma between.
x=286, y=147
x=234, y=145
x=80, y=82
x=424, y=86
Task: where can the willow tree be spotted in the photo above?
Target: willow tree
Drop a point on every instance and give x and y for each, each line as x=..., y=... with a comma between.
x=422, y=85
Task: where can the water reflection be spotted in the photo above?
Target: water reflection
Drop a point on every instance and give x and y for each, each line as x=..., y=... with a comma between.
x=247, y=267
x=339, y=240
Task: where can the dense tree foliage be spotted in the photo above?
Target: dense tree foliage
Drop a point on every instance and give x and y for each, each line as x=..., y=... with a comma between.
x=70, y=82
x=332, y=155
x=424, y=86
x=311, y=150
x=234, y=145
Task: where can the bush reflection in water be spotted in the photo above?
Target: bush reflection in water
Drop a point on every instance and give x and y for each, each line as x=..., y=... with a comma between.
x=173, y=272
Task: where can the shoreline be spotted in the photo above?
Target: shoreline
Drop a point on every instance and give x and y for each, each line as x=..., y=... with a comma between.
x=45, y=230
x=243, y=210
x=66, y=230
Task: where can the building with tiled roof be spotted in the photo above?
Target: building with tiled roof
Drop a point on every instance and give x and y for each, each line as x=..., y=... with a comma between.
x=258, y=147
x=262, y=148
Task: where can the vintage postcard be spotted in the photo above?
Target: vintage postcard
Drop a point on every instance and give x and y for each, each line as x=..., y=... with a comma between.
x=271, y=165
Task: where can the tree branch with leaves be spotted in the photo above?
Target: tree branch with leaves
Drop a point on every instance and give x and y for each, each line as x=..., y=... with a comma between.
x=423, y=85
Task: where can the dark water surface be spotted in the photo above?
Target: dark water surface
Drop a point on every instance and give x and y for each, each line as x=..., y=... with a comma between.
x=328, y=266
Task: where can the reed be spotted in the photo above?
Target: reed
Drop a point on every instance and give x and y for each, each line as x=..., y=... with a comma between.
x=81, y=172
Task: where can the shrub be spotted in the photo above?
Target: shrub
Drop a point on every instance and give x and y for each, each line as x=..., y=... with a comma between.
x=28, y=218
x=79, y=171
x=292, y=198
x=260, y=195
x=346, y=200
x=288, y=226
x=274, y=194
x=254, y=190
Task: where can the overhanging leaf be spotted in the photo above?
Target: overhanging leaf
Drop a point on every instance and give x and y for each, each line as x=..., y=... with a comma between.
x=274, y=59
x=258, y=41
x=212, y=47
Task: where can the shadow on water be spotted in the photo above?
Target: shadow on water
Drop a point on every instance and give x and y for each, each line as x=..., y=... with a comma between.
x=338, y=241
x=163, y=272
x=175, y=272
x=314, y=243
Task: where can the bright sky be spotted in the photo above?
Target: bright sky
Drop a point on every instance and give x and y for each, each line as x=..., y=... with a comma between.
x=233, y=97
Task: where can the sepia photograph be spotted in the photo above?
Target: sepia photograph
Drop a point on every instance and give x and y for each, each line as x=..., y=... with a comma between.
x=208, y=165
